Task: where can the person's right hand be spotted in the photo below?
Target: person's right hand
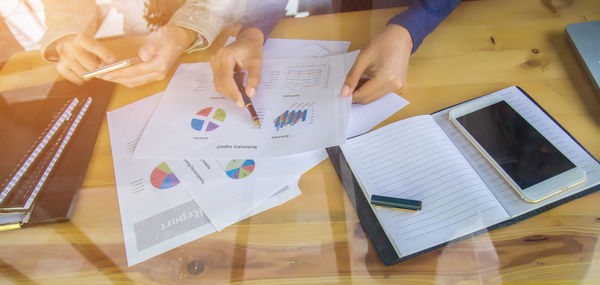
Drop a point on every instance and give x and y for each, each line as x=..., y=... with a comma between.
x=160, y=52
x=246, y=54
x=79, y=54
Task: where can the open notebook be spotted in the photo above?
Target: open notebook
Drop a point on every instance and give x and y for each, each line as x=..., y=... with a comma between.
x=426, y=158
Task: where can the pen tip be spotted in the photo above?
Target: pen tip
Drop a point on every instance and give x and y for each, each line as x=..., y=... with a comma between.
x=257, y=122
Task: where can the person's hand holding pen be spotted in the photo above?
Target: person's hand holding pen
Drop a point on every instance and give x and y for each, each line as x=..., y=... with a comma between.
x=79, y=54
x=163, y=47
x=245, y=53
x=384, y=61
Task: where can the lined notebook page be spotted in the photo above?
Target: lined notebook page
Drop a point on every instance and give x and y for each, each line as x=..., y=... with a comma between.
x=505, y=194
x=414, y=159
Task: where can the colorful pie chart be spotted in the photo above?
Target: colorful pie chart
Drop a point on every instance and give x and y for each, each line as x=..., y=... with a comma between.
x=162, y=177
x=239, y=168
x=208, y=119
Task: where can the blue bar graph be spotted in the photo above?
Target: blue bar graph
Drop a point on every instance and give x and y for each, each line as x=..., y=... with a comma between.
x=290, y=118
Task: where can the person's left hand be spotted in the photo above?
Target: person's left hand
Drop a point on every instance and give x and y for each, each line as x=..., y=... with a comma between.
x=245, y=53
x=157, y=55
x=384, y=61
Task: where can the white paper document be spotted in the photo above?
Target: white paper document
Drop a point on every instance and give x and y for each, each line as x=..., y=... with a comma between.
x=187, y=195
x=287, y=48
x=362, y=117
x=157, y=213
x=298, y=103
x=365, y=117
x=227, y=189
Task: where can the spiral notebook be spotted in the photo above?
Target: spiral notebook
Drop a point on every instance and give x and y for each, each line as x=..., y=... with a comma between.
x=48, y=136
x=427, y=158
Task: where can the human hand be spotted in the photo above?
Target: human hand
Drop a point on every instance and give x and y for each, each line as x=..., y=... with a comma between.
x=245, y=53
x=79, y=54
x=384, y=61
x=157, y=55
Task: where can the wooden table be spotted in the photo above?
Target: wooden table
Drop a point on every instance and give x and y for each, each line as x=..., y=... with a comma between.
x=316, y=238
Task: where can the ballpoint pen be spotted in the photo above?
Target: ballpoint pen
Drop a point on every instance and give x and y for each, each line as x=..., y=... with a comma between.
x=111, y=67
x=247, y=102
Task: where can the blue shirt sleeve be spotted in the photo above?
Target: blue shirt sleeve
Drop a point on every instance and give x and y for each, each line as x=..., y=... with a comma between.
x=422, y=17
x=263, y=14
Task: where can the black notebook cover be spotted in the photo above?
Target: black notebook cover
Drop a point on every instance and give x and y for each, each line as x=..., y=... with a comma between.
x=373, y=228
x=25, y=116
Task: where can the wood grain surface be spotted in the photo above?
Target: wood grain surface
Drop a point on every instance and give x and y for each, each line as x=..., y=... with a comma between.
x=316, y=238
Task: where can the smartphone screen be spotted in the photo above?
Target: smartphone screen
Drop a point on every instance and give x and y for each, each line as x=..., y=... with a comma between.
x=520, y=150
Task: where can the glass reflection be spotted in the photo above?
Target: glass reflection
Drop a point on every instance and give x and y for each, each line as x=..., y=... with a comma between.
x=317, y=234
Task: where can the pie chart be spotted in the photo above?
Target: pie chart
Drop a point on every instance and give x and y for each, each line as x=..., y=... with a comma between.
x=162, y=177
x=239, y=168
x=208, y=119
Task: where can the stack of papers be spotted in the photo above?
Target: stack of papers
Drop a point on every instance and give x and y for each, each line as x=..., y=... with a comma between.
x=192, y=163
x=298, y=103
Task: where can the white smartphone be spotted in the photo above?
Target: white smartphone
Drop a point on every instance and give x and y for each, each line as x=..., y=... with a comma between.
x=111, y=67
x=526, y=159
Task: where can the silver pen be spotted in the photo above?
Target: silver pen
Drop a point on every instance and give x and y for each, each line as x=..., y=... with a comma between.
x=111, y=67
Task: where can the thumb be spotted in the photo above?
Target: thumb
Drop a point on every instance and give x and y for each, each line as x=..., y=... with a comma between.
x=147, y=51
x=358, y=69
x=254, y=69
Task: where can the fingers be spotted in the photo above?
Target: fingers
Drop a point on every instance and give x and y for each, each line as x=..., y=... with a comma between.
x=223, y=65
x=138, y=74
x=358, y=69
x=135, y=70
x=79, y=54
x=377, y=87
x=254, y=69
x=70, y=54
x=385, y=60
x=370, y=91
x=88, y=61
x=140, y=79
x=246, y=54
x=93, y=46
x=157, y=58
x=68, y=73
x=147, y=51
x=71, y=69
